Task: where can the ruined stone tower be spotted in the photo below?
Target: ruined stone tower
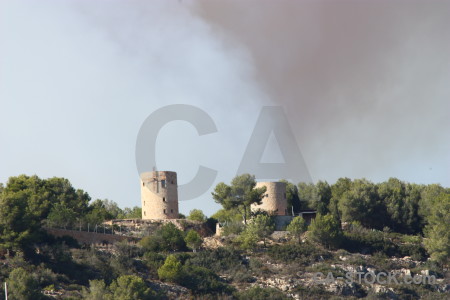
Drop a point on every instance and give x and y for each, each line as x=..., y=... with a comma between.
x=274, y=201
x=159, y=195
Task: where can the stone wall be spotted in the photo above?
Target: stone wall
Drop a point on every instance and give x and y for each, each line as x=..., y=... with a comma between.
x=140, y=227
x=84, y=237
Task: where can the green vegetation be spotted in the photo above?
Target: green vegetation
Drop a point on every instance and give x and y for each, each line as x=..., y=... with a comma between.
x=303, y=254
x=196, y=215
x=239, y=195
x=362, y=204
x=297, y=227
x=230, y=215
x=369, y=241
x=127, y=287
x=292, y=197
x=28, y=203
x=199, y=279
x=315, y=196
x=23, y=286
x=171, y=270
x=193, y=240
x=257, y=293
x=392, y=206
x=326, y=230
x=438, y=230
x=258, y=229
x=387, y=226
x=230, y=219
x=167, y=238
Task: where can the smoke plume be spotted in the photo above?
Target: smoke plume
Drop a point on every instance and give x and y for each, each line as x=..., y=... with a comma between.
x=365, y=83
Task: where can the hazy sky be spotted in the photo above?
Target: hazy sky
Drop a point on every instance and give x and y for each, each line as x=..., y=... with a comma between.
x=365, y=84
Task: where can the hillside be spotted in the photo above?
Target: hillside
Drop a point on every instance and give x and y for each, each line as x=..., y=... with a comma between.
x=347, y=251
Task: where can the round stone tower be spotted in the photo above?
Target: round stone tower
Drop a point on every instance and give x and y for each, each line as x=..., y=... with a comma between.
x=274, y=200
x=159, y=195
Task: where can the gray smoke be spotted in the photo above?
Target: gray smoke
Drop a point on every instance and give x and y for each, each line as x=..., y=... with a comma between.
x=365, y=83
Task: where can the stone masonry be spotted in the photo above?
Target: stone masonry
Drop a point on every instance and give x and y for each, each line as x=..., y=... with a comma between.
x=159, y=195
x=274, y=201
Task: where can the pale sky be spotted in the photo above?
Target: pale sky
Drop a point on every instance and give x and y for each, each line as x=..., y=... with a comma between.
x=365, y=85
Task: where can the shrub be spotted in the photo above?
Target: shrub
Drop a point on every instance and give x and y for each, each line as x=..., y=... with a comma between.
x=171, y=270
x=437, y=231
x=94, y=265
x=22, y=285
x=167, y=238
x=258, y=229
x=153, y=261
x=127, y=287
x=257, y=293
x=45, y=276
x=97, y=290
x=326, y=268
x=304, y=253
x=326, y=230
x=432, y=266
x=242, y=275
x=313, y=292
x=297, y=227
x=218, y=260
x=417, y=252
x=193, y=240
x=232, y=228
x=255, y=263
x=130, y=287
x=196, y=215
x=369, y=241
x=202, y=281
x=151, y=243
x=381, y=261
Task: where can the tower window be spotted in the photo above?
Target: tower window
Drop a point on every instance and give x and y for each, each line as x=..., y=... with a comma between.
x=143, y=184
x=267, y=195
x=163, y=183
x=164, y=211
x=284, y=195
x=144, y=213
x=164, y=199
x=171, y=210
x=144, y=203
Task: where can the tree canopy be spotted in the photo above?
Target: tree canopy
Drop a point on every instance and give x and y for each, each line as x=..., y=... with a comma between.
x=437, y=230
x=22, y=285
x=361, y=203
x=193, y=240
x=326, y=230
x=258, y=229
x=125, y=287
x=27, y=203
x=297, y=227
x=239, y=195
x=292, y=197
x=197, y=215
x=171, y=270
x=166, y=238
